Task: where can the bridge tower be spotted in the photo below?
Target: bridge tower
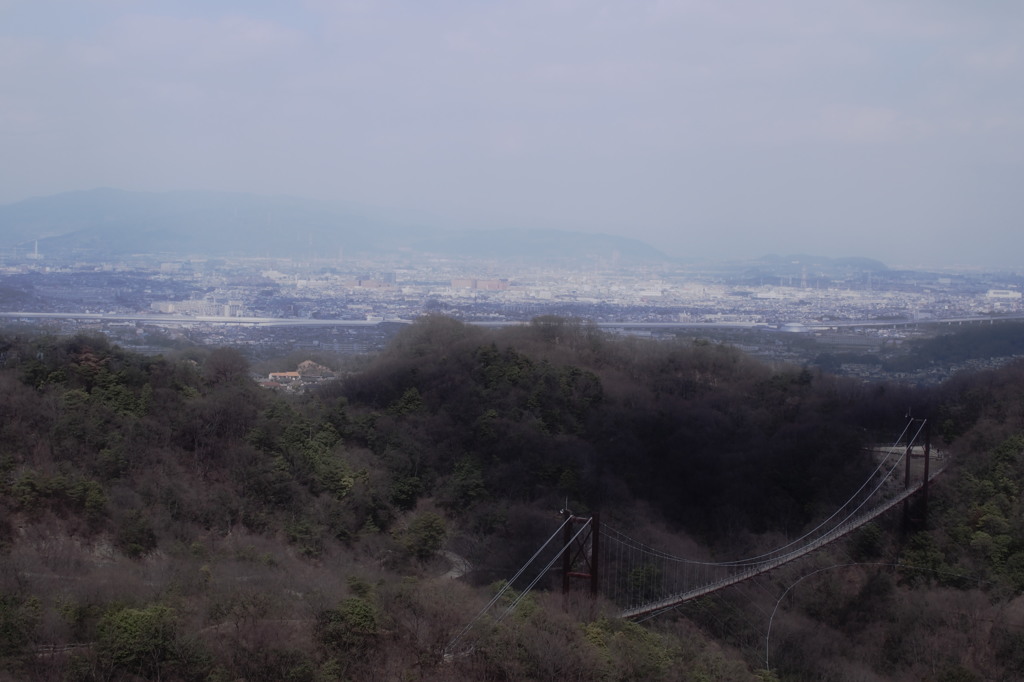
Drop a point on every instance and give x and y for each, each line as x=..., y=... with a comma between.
x=925, y=431
x=581, y=556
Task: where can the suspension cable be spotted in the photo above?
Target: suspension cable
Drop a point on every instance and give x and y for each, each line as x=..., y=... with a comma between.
x=767, y=556
x=506, y=587
x=541, y=574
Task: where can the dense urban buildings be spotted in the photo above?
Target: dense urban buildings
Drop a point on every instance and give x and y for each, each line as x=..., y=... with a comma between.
x=791, y=309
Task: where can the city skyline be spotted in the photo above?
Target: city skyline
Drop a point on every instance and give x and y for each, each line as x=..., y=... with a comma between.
x=886, y=130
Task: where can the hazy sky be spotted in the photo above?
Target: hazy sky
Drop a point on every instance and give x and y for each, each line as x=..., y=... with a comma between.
x=885, y=128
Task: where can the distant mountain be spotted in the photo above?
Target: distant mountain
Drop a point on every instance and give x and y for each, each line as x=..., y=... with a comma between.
x=108, y=222
x=116, y=222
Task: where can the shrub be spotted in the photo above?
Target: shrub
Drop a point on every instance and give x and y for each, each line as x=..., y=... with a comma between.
x=138, y=641
x=135, y=536
x=425, y=535
x=350, y=629
x=19, y=617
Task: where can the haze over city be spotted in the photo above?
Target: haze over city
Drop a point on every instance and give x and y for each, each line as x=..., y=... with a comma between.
x=890, y=130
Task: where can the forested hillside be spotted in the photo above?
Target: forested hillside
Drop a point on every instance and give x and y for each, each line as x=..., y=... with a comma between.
x=165, y=518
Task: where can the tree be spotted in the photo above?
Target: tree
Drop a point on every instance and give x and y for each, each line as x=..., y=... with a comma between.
x=225, y=365
x=138, y=641
x=425, y=535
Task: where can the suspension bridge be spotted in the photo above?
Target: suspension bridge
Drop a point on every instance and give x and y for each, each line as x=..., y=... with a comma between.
x=643, y=581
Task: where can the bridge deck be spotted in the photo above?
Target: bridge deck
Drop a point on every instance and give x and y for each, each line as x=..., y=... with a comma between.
x=771, y=564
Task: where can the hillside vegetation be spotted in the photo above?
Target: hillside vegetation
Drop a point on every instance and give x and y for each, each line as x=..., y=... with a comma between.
x=165, y=518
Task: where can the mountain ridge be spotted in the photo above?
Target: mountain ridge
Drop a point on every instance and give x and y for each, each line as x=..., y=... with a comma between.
x=185, y=222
